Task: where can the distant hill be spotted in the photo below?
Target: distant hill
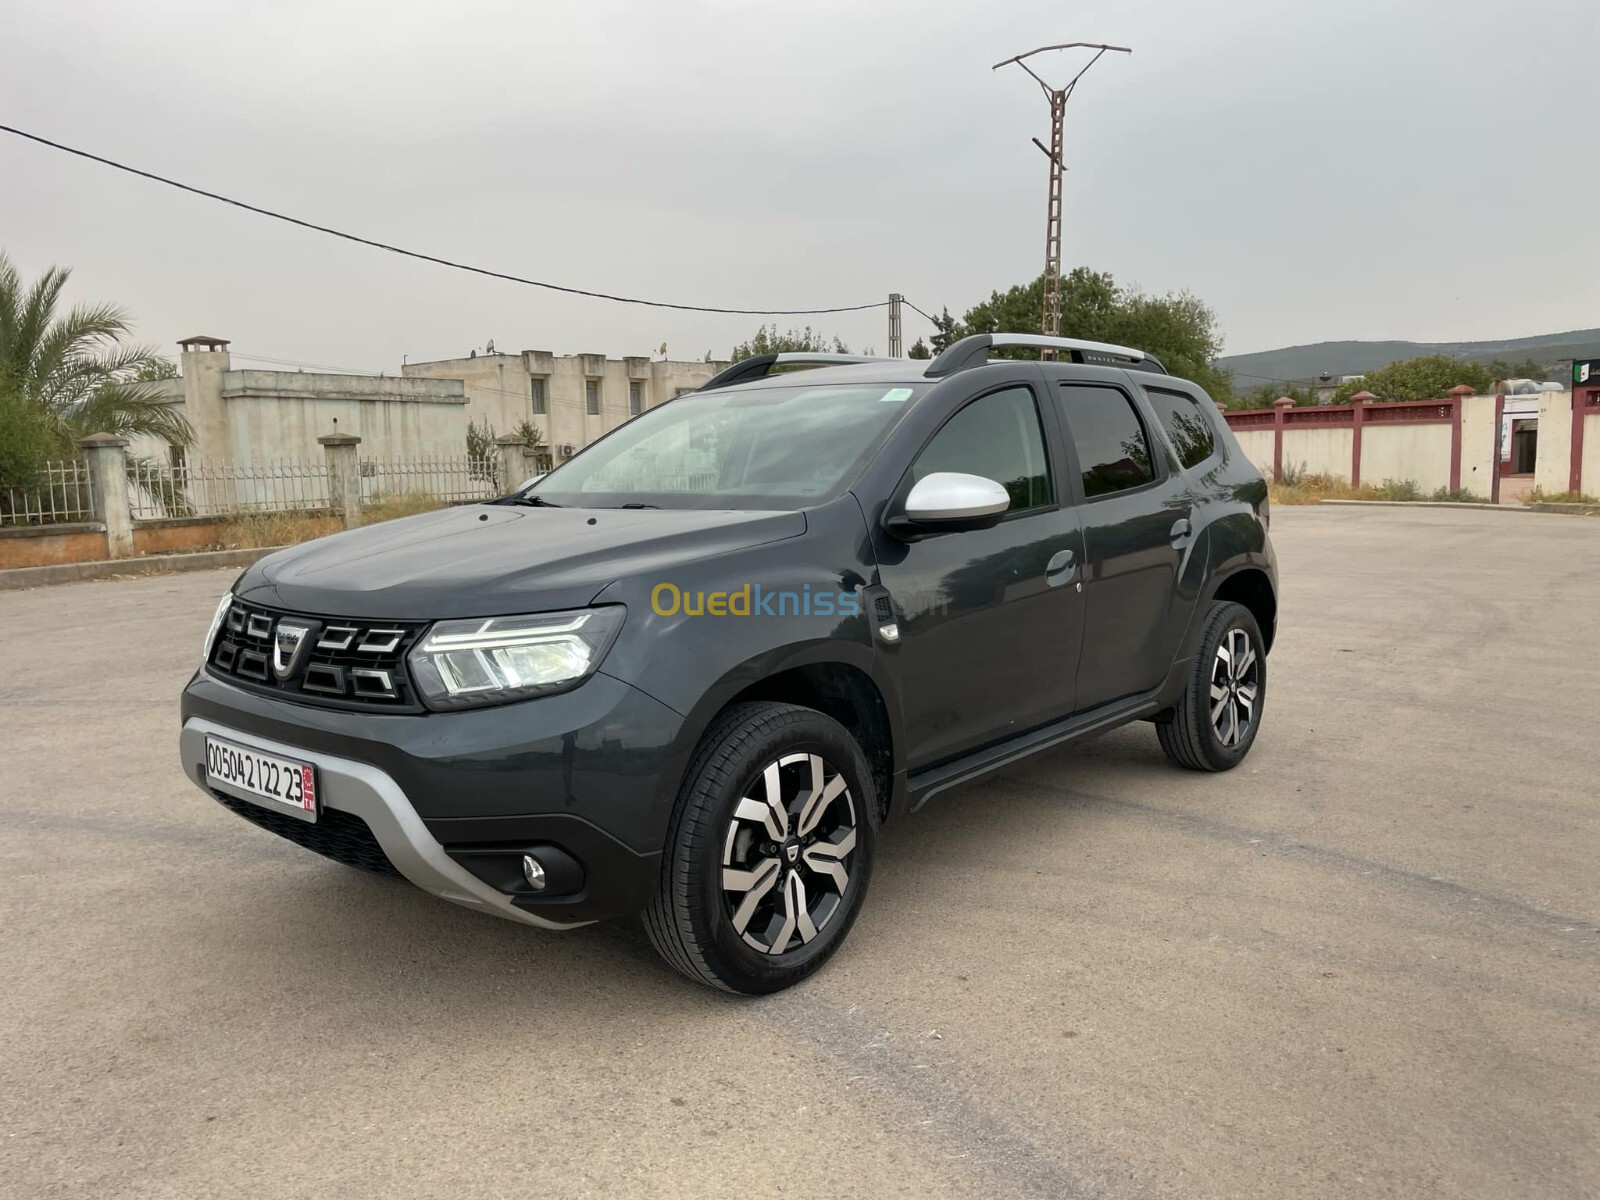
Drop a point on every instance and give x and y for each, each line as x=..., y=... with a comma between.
x=1302, y=363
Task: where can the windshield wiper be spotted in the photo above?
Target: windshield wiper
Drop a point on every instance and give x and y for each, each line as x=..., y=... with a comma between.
x=532, y=501
x=637, y=504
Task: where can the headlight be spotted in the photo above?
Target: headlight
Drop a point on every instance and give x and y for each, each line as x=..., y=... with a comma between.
x=493, y=660
x=216, y=623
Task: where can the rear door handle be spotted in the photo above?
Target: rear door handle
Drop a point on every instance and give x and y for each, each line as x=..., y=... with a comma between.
x=1060, y=569
x=1182, y=531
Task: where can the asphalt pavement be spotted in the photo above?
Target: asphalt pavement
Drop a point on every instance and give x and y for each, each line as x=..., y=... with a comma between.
x=1366, y=963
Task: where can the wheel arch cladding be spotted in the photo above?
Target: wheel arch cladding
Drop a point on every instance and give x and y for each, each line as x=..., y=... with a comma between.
x=848, y=695
x=1251, y=588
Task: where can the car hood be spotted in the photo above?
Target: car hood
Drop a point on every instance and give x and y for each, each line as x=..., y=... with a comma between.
x=491, y=559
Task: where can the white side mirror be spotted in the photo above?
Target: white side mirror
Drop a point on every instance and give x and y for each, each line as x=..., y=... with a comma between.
x=953, y=496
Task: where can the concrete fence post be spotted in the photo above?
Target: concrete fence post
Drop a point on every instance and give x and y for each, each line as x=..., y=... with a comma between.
x=513, y=464
x=1280, y=408
x=344, y=476
x=532, y=464
x=1458, y=397
x=107, y=456
x=1358, y=413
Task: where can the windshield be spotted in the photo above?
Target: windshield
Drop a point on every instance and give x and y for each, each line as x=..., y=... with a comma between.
x=778, y=447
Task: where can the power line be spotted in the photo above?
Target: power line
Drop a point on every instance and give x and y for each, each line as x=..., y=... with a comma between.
x=443, y=262
x=920, y=313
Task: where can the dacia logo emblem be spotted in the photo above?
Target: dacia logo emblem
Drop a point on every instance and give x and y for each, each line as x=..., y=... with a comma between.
x=290, y=645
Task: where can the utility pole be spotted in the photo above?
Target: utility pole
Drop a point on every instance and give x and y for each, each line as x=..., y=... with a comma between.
x=1051, y=324
x=895, y=340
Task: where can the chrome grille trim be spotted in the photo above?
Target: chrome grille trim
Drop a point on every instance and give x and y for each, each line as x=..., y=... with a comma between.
x=353, y=664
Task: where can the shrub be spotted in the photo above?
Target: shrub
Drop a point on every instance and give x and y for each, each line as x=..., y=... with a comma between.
x=1292, y=475
x=1399, y=489
x=1540, y=496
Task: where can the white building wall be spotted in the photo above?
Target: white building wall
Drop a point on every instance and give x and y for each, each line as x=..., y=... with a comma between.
x=500, y=390
x=1479, y=445
x=1552, y=471
x=1319, y=450
x=1591, y=455
x=1419, y=453
x=1257, y=446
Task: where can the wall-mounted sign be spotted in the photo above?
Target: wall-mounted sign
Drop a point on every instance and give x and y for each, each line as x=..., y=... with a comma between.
x=1586, y=371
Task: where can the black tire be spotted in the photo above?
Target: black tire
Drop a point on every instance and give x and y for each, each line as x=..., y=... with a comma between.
x=692, y=920
x=1188, y=732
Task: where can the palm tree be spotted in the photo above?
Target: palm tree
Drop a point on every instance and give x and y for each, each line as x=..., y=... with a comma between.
x=67, y=375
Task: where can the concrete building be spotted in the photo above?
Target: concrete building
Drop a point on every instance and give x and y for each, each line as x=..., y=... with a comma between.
x=251, y=416
x=267, y=416
x=570, y=399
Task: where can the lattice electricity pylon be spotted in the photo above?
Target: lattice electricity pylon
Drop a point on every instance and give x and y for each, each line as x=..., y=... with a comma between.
x=1051, y=322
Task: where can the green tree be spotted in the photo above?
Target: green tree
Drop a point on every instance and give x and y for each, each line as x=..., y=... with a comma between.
x=919, y=349
x=157, y=369
x=1526, y=369
x=1267, y=393
x=1177, y=328
x=768, y=340
x=1428, y=377
x=65, y=375
x=946, y=329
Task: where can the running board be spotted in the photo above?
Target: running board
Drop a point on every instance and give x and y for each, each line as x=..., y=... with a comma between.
x=924, y=785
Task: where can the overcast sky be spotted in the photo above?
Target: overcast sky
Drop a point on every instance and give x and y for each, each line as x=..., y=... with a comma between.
x=1312, y=169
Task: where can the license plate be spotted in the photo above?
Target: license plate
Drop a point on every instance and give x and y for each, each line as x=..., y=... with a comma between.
x=277, y=783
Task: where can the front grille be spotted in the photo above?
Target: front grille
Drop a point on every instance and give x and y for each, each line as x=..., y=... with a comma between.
x=347, y=663
x=341, y=836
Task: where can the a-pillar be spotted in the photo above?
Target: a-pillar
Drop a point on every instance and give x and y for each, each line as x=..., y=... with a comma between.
x=107, y=455
x=344, y=475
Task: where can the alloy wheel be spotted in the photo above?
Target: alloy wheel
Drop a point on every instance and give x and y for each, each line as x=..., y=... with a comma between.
x=787, y=853
x=1235, y=684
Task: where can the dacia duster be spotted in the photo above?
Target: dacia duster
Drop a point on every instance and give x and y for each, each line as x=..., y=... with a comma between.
x=692, y=671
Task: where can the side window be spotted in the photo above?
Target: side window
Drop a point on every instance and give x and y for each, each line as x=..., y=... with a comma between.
x=996, y=436
x=1113, y=448
x=1186, y=425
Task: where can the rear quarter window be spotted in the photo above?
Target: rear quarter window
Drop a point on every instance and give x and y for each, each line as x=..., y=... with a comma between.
x=1188, y=428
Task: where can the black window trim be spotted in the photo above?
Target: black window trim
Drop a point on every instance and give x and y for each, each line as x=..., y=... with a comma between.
x=1048, y=433
x=1160, y=464
x=1199, y=403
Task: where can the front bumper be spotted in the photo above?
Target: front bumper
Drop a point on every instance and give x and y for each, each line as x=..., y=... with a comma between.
x=453, y=799
x=366, y=792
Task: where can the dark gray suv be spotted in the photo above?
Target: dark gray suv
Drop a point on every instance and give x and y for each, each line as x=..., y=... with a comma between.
x=692, y=671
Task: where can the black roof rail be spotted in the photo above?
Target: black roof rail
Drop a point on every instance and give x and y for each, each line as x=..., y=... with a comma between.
x=973, y=351
x=761, y=365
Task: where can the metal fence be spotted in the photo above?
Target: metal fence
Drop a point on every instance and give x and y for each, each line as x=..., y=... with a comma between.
x=62, y=494
x=217, y=488
x=446, y=479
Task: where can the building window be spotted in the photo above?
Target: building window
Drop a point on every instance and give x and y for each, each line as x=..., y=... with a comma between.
x=591, y=396
x=540, y=404
x=635, y=398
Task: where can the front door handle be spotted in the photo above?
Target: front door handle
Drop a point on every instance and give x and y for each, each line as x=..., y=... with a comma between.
x=1182, y=531
x=1060, y=569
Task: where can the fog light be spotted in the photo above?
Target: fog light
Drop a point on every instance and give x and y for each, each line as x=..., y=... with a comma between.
x=533, y=872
